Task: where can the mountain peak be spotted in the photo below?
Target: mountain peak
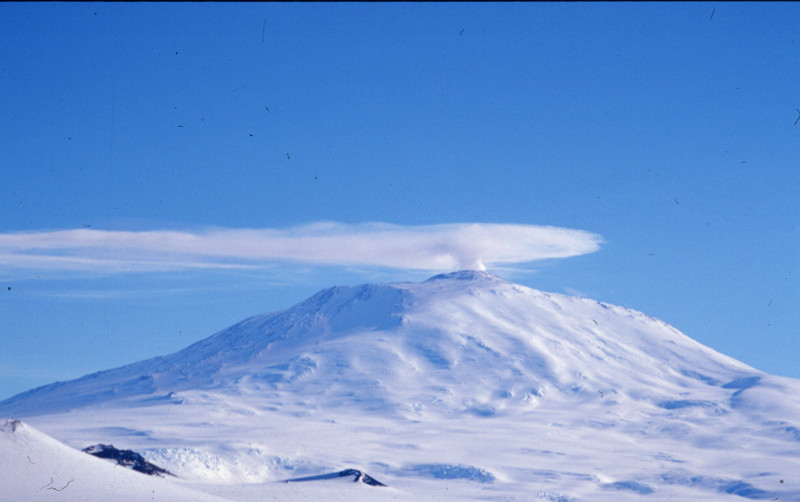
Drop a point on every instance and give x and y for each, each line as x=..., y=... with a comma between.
x=391, y=376
x=433, y=335
x=466, y=275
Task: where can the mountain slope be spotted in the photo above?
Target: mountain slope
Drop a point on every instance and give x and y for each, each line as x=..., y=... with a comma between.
x=491, y=388
x=470, y=331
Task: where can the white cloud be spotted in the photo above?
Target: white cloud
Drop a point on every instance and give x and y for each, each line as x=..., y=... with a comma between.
x=431, y=247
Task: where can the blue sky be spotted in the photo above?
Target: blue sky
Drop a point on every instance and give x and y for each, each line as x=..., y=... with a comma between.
x=665, y=129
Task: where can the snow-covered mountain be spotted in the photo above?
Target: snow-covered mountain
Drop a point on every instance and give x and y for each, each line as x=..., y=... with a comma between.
x=460, y=387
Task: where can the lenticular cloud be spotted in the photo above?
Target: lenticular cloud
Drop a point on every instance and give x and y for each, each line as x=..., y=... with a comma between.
x=430, y=247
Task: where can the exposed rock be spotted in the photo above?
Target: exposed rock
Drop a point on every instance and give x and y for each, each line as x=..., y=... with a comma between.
x=358, y=477
x=126, y=458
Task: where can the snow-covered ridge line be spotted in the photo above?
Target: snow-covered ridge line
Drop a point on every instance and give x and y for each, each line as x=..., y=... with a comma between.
x=464, y=383
x=563, y=344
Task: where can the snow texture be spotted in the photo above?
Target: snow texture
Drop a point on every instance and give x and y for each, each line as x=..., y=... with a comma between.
x=462, y=387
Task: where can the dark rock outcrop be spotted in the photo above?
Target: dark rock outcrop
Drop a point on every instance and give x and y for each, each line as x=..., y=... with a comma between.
x=358, y=477
x=126, y=458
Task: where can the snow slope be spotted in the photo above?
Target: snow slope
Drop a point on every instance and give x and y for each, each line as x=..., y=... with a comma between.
x=461, y=387
x=37, y=467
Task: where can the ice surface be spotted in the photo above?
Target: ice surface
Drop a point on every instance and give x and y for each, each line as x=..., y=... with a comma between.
x=462, y=387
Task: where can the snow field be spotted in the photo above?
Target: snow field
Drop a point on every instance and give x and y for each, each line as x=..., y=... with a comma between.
x=463, y=387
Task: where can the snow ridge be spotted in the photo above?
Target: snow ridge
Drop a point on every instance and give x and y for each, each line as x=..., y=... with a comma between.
x=465, y=386
x=436, y=334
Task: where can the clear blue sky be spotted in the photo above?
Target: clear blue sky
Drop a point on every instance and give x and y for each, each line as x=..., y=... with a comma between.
x=666, y=128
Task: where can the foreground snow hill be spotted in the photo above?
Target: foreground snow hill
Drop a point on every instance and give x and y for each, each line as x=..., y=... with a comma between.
x=37, y=467
x=463, y=387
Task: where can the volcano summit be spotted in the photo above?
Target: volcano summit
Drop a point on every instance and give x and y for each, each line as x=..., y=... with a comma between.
x=462, y=387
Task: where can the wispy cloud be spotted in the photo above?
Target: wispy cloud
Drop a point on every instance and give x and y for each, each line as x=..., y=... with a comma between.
x=431, y=247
